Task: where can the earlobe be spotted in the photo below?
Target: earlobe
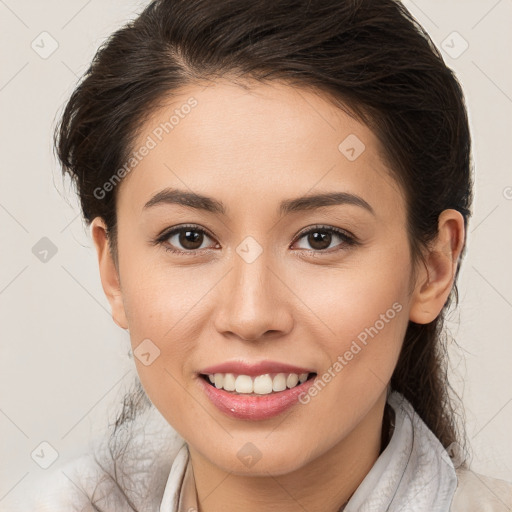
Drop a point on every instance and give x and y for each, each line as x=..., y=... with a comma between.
x=435, y=281
x=108, y=272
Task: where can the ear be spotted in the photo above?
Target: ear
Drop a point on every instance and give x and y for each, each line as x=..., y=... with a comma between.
x=108, y=272
x=435, y=279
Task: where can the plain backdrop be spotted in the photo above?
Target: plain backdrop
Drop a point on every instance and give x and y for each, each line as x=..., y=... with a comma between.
x=64, y=363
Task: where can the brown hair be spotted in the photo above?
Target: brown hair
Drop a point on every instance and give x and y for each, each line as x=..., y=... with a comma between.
x=369, y=56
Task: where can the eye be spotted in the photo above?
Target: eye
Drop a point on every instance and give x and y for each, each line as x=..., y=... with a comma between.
x=320, y=238
x=190, y=238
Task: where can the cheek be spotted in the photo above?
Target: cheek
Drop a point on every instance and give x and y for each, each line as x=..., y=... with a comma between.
x=167, y=309
x=162, y=311
x=161, y=299
x=365, y=308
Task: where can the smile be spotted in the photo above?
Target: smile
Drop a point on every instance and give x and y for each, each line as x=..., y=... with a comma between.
x=247, y=404
x=264, y=384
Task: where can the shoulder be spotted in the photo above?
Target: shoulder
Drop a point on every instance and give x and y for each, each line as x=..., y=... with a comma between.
x=476, y=492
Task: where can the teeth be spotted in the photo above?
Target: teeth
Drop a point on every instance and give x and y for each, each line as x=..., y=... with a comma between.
x=279, y=382
x=292, y=380
x=263, y=384
x=243, y=383
x=260, y=385
x=229, y=383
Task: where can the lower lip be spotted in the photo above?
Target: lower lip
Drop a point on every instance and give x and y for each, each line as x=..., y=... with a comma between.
x=250, y=407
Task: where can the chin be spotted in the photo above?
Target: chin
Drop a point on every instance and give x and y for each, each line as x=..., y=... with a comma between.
x=254, y=459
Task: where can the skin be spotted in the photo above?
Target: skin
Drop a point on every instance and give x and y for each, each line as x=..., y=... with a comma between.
x=252, y=149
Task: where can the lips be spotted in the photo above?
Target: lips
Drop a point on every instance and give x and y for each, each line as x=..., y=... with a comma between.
x=271, y=397
x=254, y=408
x=254, y=369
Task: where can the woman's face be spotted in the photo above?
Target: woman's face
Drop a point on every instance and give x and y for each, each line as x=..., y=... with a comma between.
x=265, y=276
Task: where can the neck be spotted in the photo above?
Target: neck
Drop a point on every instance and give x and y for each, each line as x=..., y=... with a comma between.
x=324, y=484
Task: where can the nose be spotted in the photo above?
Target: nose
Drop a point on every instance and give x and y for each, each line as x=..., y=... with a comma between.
x=253, y=302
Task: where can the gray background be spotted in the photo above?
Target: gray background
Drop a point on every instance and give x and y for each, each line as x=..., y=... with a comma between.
x=63, y=362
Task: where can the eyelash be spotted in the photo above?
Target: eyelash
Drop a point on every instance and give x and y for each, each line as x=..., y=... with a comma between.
x=347, y=239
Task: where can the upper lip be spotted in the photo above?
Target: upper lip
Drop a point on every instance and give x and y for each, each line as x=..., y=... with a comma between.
x=253, y=369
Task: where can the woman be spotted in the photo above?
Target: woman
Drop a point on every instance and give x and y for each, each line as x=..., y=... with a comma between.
x=278, y=193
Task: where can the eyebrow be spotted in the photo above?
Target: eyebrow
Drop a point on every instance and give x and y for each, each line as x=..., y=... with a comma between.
x=309, y=202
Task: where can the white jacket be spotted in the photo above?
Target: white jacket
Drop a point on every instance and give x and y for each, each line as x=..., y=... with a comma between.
x=413, y=474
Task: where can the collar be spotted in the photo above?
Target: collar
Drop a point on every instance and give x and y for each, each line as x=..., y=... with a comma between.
x=413, y=472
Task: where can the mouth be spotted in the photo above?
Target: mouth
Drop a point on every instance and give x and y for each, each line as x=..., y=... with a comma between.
x=255, y=397
x=257, y=385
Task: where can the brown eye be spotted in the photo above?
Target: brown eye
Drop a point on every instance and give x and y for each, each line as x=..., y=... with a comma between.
x=190, y=239
x=320, y=239
x=185, y=240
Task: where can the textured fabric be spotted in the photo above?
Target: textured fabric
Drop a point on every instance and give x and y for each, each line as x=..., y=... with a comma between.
x=412, y=473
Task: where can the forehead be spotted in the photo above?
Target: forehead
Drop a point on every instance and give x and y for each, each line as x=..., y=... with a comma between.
x=268, y=141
